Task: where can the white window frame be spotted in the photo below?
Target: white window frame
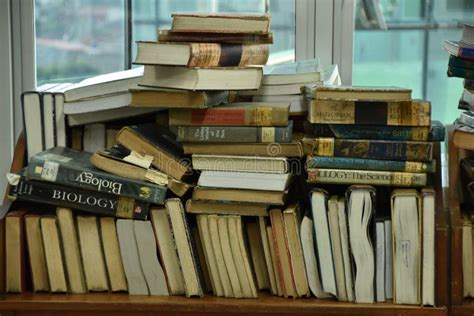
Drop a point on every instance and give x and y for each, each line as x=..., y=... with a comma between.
x=324, y=29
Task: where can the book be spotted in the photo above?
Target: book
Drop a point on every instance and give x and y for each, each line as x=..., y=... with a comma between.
x=467, y=99
x=267, y=255
x=336, y=247
x=407, y=235
x=225, y=208
x=257, y=253
x=107, y=84
x=273, y=255
x=92, y=255
x=239, y=196
x=59, y=115
x=201, y=54
x=467, y=118
x=221, y=23
x=89, y=201
x=371, y=177
x=166, y=246
x=68, y=167
x=108, y=102
x=37, y=260
x=458, y=49
x=428, y=247
x=369, y=164
x=108, y=115
x=240, y=114
x=211, y=37
x=334, y=92
x=293, y=149
x=345, y=245
x=298, y=105
x=210, y=257
x=303, y=71
x=16, y=275
x=93, y=137
x=467, y=268
x=371, y=149
x=245, y=180
x=360, y=210
x=71, y=250
x=279, y=89
x=455, y=61
x=292, y=222
x=179, y=77
x=152, y=270
x=311, y=262
x=435, y=132
x=110, y=136
x=136, y=282
x=158, y=142
x=52, y=116
x=388, y=259
x=467, y=181
x=460, y=72
x=173, y=98
x=186, y=252
x=467, y=34
x=240, y=163
x=283, y=259
x=112, y=255
x=318, y=198
x=206, y=278
x=363, y=112
x=463, y=137
x=235, y=134
x=53, y=254
x=380, y=261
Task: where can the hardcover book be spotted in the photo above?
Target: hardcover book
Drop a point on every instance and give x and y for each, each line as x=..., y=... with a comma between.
x=211, y=37
x=89, y=201
x=371, y=149
x=357, y=93
x=68, y=167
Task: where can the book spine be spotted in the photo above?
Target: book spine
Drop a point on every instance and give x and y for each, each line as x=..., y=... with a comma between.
x=234, y=134
x=466, y=119
x=252, y=116
x=460, y=72
x=466, y=52
x=94, y=202
x=469, y=84
x=167, y=36
x=338, y=176
x=370, y=164
x=459, y=62
x=227, y=55
x=392, y=113
x=370, y=149
x=90, y=179
x=402, y=133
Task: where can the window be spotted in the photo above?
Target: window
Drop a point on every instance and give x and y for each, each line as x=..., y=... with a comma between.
x=80, y=38
x=409, y=53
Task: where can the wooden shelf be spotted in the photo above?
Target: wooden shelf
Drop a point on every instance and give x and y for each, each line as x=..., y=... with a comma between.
x=118, y=304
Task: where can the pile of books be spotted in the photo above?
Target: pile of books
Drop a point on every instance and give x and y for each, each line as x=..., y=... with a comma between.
x=377, y=138
x=461, y=65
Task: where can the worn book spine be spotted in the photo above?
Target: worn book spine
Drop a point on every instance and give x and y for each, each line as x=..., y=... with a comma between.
x=64, y=196
x=466, y=119
x=248, y=116
x=460, y=62
x=388, y=178
x=370, y=164
x=169, y=36
x=469, y=83
x=42, y=169
x=235, y=134
x=391, y=113
x=434, y=133
x=460, y=72
x=227, y=55
x=370, y=149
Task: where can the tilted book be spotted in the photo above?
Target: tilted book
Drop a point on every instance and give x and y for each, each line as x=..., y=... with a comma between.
x=73, y=168
x=371, y=149
x=89, y=201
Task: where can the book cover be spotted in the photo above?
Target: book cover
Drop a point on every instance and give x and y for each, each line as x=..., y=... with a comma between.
x=370, y=164
x=435, y=132
x=235, y=134
x=370, y=149
x=207, y=37
x=460, y=62
x=89, y=201
x=460, y=72
x=73, y=168
x=293, y=149
x=360, y=93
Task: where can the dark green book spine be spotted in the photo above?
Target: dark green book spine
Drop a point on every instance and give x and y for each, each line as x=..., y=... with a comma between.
x=89, y=201
x=460, y=72
x=81, y=174
x=460, y=62
x=235, y=134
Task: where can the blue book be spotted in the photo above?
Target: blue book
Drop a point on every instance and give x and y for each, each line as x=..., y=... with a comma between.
x=456, y=48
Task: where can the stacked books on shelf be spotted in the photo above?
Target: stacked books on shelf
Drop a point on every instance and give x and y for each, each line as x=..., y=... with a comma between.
x=461, y=65
x=380, y=142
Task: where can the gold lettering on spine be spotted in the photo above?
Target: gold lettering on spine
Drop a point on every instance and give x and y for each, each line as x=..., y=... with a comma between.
x=125, y=207
x=420, y=133
x=204, y=55
x=411, y=166
x=325, y=111
x=263, y=116
x=324, y=147
x=256, y=54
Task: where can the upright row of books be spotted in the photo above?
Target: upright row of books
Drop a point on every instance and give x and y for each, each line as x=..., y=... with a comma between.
x=270, y=177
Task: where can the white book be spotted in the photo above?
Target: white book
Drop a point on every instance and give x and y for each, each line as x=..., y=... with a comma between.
x=388, y=260
x=428, y=261
x=297, y=72
x=380, y=261
x=245, y=180
x=100, y=103
x=107, y=115
x=297, y=101
x=94, y=138
x=240, y=163
x=323, y=241
x=346, y=257
x=333, y=219
x=109, y=83
x=268, y=257
x=59, y=115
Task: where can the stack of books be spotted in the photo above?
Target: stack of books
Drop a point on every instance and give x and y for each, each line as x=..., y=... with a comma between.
x=461, y=65
x=371, y=137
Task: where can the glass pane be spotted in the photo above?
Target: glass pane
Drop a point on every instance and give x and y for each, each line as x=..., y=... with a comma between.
x=78, y=38
x=149, y=16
